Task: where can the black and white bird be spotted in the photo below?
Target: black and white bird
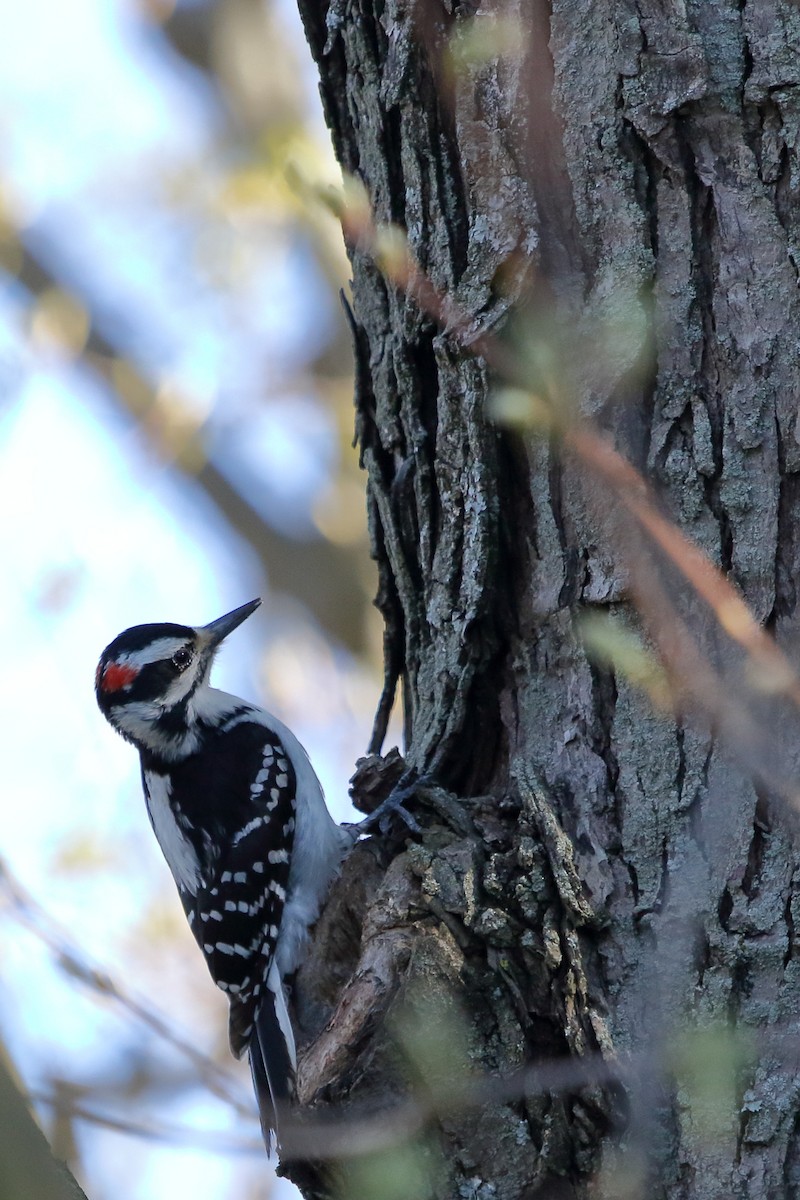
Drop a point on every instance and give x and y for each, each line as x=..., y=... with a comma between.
x=241, y=820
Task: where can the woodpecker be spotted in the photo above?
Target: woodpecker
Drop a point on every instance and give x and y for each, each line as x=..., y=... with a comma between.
x=242, y=822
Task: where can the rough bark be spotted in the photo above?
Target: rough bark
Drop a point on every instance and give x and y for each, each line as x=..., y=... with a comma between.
x=614, y=873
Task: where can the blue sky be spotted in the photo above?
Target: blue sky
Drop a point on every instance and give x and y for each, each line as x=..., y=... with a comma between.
x=100, y=533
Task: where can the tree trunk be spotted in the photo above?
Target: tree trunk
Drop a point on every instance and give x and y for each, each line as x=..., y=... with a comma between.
x=609, y=876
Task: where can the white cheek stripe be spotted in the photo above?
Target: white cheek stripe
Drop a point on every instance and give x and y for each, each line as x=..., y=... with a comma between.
x=163, y=648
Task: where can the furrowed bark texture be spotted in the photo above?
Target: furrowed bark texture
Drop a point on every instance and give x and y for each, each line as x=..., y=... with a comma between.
x=614, y=873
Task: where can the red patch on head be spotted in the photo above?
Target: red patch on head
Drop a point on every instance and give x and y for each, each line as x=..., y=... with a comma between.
x=117, y=676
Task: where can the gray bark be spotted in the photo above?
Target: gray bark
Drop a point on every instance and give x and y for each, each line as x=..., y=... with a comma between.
x=616, y=873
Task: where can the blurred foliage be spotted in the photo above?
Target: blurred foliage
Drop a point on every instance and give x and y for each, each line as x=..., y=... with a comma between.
x=235, y=212
x=238, y=206
x=431, y=1033
x=431, y=1039
x=709, y=1062
x=610, y=644
x=406, y=1172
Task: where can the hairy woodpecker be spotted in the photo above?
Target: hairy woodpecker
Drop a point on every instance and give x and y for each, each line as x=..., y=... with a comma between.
x=241, y=820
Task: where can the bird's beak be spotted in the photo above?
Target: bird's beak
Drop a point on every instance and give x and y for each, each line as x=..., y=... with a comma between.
x=218, y=630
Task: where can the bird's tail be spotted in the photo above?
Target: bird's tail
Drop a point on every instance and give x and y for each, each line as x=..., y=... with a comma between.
x=273, y=1057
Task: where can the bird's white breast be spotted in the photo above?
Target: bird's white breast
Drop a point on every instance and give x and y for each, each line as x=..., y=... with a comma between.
x=175, y=845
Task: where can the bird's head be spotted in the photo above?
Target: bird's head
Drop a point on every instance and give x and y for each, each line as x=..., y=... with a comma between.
x=149, y=677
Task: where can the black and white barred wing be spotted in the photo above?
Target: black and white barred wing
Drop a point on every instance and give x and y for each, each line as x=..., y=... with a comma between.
x=241, y=790
x=237, y=922
x=238, y=913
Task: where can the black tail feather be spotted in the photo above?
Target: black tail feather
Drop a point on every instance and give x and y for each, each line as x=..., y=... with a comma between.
x=271, y=1064
x=266, y=1108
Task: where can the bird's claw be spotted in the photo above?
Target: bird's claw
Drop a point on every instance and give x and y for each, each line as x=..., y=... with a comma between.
x=392, y=807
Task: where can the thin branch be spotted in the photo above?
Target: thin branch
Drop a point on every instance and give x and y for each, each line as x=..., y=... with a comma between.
x=30, y=913
x=362, y=1134
x=707, y=580
x=214, y=1141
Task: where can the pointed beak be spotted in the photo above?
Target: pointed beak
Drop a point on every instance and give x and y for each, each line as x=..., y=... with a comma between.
x=216, y=632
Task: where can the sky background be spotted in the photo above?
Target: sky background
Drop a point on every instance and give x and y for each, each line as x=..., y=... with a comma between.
x=149, y=193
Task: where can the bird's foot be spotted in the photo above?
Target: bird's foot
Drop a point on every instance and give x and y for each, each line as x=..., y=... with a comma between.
x=394, y=807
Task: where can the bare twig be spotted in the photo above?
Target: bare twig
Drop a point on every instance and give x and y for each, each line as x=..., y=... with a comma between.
x=28, y=912
x=214, y=1141
x=360, y=1134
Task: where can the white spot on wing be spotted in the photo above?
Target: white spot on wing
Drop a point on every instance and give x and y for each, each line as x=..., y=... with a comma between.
x=249, y=827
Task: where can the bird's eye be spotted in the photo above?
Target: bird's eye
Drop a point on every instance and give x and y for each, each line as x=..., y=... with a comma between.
x=181, y=658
